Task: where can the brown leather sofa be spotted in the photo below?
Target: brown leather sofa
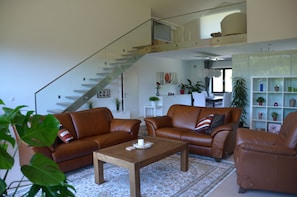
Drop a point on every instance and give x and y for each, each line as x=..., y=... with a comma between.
x=267, y=161
x=92, y=130
x=181, y=120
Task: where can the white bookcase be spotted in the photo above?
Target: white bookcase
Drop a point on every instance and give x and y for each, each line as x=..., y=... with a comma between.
x=276, y=100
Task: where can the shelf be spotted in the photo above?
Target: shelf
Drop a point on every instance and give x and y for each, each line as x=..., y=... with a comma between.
x=278, y=93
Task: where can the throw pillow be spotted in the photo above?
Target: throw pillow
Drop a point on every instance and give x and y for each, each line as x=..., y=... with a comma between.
x=218, y=120
x=204, y=124
x=64, y=135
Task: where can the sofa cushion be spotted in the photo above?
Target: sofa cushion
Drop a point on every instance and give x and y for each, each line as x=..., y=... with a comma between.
x=204, y=124
x=66, y=121
x=90, y=122
x=185, y=117
x=172, y=133
x=218, y=120
x=198, y=139
x=110, y=139
x=75, y=149
x=206, y=111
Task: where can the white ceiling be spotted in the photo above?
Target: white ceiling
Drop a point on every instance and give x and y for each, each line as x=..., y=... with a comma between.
x=169, y=10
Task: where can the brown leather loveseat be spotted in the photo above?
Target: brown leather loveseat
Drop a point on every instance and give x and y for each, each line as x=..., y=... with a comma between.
x=267, y=161
x=180, y=124
x=91, y=130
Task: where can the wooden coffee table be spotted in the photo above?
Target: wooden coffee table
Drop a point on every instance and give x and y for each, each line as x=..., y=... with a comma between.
x=135, y=159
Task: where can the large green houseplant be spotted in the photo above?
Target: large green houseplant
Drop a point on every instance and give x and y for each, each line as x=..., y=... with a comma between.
x=35, y=130
x=240, y=96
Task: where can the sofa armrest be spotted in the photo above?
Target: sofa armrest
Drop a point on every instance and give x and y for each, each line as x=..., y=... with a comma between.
x=125, y=125
x=245, y=135
x=225, y=127
x=268, y=149
x=154, y=123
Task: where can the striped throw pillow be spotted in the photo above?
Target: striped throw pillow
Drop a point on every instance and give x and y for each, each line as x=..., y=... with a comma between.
x=64, y=135
x=204, y=124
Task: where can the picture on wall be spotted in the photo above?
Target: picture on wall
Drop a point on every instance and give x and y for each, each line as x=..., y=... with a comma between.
x=273, y=127
x=166, y=78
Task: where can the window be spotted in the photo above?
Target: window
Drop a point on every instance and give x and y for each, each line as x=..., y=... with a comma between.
x=223, y=83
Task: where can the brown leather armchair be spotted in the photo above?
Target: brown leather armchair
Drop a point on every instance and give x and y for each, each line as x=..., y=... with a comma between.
x=267, y=161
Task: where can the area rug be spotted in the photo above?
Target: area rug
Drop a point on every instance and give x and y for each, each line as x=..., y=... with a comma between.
x=162, y=178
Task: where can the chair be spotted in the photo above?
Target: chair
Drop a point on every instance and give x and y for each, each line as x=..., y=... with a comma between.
x=199, y=99
x=267, y=161
x=227, y=99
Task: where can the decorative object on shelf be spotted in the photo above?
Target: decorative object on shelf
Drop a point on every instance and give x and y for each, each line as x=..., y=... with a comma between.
x=182, y=88
x=275, y=104
x=158, y=88
x=292, y=102
x=260, y=115
x=290, y=89
x=198, y=87
x=276, y=88
x=240, y=97
x=274, y=115
x=260, y=100
x=261, y=87
x=118, y=104
x=274, y=128
x=154, y=100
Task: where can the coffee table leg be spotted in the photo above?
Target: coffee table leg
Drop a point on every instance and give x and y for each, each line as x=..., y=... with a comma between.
x=134, y=180
x=98, y=169
x=184, y=159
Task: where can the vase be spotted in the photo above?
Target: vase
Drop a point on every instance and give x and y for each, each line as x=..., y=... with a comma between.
x=157, y=93
x=260, y=115
x=292, y=102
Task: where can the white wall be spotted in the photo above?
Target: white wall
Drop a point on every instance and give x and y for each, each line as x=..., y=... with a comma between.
x=147, y=68
x=271, y=20
x=40, y=40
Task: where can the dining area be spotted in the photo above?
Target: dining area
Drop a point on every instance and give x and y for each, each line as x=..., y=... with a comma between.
x=202, y=99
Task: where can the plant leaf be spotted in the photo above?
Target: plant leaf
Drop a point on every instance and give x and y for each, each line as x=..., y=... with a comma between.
x=43, y=171
x=2, y=187
x=6, y=160
x=43, y=131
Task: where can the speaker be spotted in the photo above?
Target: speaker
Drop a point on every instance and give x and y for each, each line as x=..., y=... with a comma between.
x=207, y=64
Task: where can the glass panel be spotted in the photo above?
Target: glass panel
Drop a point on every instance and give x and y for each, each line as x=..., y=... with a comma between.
x=228, y=80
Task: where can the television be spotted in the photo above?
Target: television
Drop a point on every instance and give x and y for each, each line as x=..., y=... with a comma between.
x=161, y=31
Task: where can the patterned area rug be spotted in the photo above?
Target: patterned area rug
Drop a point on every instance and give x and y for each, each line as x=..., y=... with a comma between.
x=162, y=178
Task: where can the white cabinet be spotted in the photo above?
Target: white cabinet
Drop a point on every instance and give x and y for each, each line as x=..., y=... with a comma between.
x=279, y=94
x=167, y=101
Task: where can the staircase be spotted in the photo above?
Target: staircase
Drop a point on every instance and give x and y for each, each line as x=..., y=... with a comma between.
x=78, y=85
x=67, y=93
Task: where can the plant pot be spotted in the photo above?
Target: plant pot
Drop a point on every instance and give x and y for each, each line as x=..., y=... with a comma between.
x=260, y=103
x=182, y=91
x=153, y=103
x=274, y=118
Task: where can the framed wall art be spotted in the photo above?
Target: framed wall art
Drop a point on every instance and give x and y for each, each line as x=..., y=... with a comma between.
x=166, y=78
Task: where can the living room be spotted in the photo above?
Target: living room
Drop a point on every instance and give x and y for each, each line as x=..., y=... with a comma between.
x=38, y=44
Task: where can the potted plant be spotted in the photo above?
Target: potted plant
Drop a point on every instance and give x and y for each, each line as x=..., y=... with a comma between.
x=198, y=87
x=274, y=115
x=182, y=88
x=260, y=100
x=42, y=172
x=154, y=100
x=118, y=104
x=240, y=96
